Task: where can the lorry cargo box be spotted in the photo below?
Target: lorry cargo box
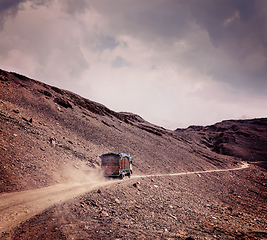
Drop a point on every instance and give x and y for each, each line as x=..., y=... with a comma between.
x=116, y=164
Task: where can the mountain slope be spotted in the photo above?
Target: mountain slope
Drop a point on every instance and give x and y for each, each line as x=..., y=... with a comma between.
x=50, y=136
x=48, y=133
x=246, y=139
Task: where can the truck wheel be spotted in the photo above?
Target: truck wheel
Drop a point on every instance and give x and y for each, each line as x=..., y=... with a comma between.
x=129, y=174
x=122, y=176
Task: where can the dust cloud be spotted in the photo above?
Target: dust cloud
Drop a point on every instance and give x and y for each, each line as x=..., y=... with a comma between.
x=20, y=206
x=79, y=174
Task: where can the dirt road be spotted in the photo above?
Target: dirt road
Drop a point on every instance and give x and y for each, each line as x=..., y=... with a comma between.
x=20, y=206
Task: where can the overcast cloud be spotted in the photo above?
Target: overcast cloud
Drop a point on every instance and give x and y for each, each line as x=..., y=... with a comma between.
x=174, y=62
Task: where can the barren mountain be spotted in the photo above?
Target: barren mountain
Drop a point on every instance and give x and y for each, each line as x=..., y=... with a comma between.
x=51, y=136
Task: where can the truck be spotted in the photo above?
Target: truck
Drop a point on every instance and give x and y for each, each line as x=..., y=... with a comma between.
x=116, y=165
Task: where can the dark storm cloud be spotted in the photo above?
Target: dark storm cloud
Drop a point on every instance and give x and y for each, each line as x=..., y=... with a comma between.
x=8, y=8
x=149, y=20
x=239, y=29
x=163, y=20
x=212, y=15
x=11, y=7
x=236, y=29
x=6, y=4
x=231, y=19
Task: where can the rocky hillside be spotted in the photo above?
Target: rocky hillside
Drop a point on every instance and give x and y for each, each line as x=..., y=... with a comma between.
x=50, y=135
x=245, y=139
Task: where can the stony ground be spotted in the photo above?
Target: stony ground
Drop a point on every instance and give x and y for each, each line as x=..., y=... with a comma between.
x=51, y=136
x=176, y=207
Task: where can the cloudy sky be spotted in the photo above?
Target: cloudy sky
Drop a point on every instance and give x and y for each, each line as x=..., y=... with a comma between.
x=174, y=62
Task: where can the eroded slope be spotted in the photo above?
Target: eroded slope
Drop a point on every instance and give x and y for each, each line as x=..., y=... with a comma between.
x=50, y=135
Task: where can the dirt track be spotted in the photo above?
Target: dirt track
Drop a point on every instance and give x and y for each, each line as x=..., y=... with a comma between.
x=18, y=207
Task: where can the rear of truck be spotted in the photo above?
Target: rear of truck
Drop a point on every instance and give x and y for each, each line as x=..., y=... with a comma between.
x=116, y=164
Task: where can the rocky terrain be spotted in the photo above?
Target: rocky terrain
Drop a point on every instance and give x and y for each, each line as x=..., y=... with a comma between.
x=51, y=136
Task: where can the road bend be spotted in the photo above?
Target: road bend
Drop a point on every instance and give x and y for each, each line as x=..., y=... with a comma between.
x=17, y=207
